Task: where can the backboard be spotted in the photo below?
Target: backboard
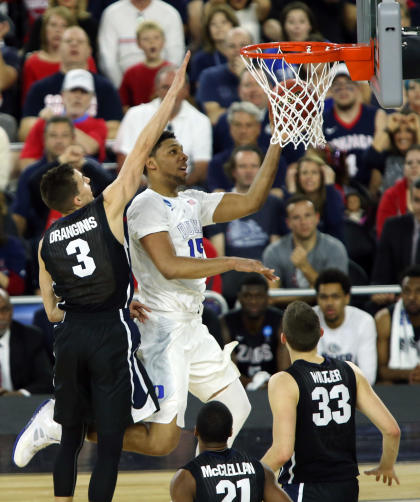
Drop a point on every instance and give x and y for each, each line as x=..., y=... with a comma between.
x=379, y=23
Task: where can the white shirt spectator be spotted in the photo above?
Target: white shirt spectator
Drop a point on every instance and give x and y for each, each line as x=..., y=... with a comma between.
x=6, y=164
x=117, y=42
x=354, y=340
x=191, y=128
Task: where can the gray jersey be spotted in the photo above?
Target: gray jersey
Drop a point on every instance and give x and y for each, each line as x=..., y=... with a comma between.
x=327, y=252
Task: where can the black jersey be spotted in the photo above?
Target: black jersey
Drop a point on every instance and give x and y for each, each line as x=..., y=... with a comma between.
x=325, y=438
x=227, y=475
x=90, y=269
x=255, y=352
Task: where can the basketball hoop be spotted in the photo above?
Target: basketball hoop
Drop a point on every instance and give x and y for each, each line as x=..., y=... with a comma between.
x=296, y=77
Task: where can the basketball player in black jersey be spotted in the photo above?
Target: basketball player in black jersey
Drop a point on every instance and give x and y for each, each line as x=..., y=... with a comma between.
x=313, y=405
x=221, y=473
x=86, y=287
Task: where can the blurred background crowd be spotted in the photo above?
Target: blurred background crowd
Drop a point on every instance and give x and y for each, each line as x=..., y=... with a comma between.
x=79, y=79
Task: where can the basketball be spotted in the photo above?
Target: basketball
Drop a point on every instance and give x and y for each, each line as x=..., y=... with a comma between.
x=295, y=99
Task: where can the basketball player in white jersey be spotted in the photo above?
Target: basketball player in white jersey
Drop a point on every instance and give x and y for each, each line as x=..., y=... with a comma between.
x=166, y=241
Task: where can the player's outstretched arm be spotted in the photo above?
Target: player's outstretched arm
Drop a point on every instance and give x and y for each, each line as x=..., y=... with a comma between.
x=369, y=403
x=272, y=491
x=123, y=189
x=283, y=394
x=160, y=249
x=235, y=205
x=182, y=487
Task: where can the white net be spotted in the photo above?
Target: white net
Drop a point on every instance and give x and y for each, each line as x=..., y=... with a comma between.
x=296, y=94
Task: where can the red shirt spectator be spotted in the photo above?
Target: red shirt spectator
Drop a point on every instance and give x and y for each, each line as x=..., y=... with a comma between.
x=33, y=147
x=137, y=85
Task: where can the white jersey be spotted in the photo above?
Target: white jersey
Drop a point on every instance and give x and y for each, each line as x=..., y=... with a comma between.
x=183, y=218
x=354, y=340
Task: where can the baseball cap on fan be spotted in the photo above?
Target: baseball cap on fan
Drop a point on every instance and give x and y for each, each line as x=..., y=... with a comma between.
x=342, y=71
x=78, y=79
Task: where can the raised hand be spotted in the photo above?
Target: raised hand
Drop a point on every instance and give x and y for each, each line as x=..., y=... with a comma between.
x=179, y=80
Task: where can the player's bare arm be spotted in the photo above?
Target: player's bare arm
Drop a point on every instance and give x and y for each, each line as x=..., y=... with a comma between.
x=283, y=395
x=122, y=190
x=160, y=249
x=49, y=299
x=235, y=205
x=272, y=490
x=369, y=403
x=182, y=487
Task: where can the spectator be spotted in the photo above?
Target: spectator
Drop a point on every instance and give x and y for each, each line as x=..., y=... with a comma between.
x=191, y=127
x=6, y=160
x=29, y=211
x=218, y=85
x=385, y=156
x=118, y=49
x=294, y=23
x=12, y=256
x=257, y=328
x=349, y=333
x=313, y=178
x=46, y=60
x=9, y=72
x=299, y=257
x=244, y=121
x=218, y=20
x=248, y=237
x=251, y=14
x=83, y=18
x=75, y=52
x=137, y=85
x=351, y=125
x=398, y=246
x=397, y=200
x=398, y=328
x=90, y=132
x=24, y=365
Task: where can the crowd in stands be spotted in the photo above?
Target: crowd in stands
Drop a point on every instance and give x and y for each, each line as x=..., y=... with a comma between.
x=79, y=79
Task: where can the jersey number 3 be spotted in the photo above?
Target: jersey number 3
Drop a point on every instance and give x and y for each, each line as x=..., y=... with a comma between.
x=342, y=415
x=81, y=247
x=229, y=488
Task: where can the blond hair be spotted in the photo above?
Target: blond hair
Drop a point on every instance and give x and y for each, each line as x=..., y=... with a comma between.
x=59, y=11
x=149, y=25
x=81, y=11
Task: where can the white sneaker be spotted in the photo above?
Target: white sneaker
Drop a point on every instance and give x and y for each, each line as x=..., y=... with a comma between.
x=38, y=433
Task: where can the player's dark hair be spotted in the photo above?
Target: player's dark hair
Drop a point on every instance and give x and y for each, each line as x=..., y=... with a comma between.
x=214, y=422
x=255, y=279
x=411, y=271
x=333, y=275
x=164, y=136
x=58, y=188
x=301, y=326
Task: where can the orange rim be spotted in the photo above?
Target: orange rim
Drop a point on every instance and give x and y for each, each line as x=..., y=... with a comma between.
x=358, y=57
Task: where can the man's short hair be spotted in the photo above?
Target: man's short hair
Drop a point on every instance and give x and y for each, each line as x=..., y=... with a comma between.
x=163, y=137
x=230, y=165
x=214, y=422
x=254, y=279
x=331, y=276
x=298, y=197
x=59, y=119
x=58, y=188
x=301, y=326
x=411, y=271
x=244, y=107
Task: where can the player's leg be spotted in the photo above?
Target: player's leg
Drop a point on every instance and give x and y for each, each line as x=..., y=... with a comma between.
x=65, y=467
x=236, y=399
x=213, y=376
